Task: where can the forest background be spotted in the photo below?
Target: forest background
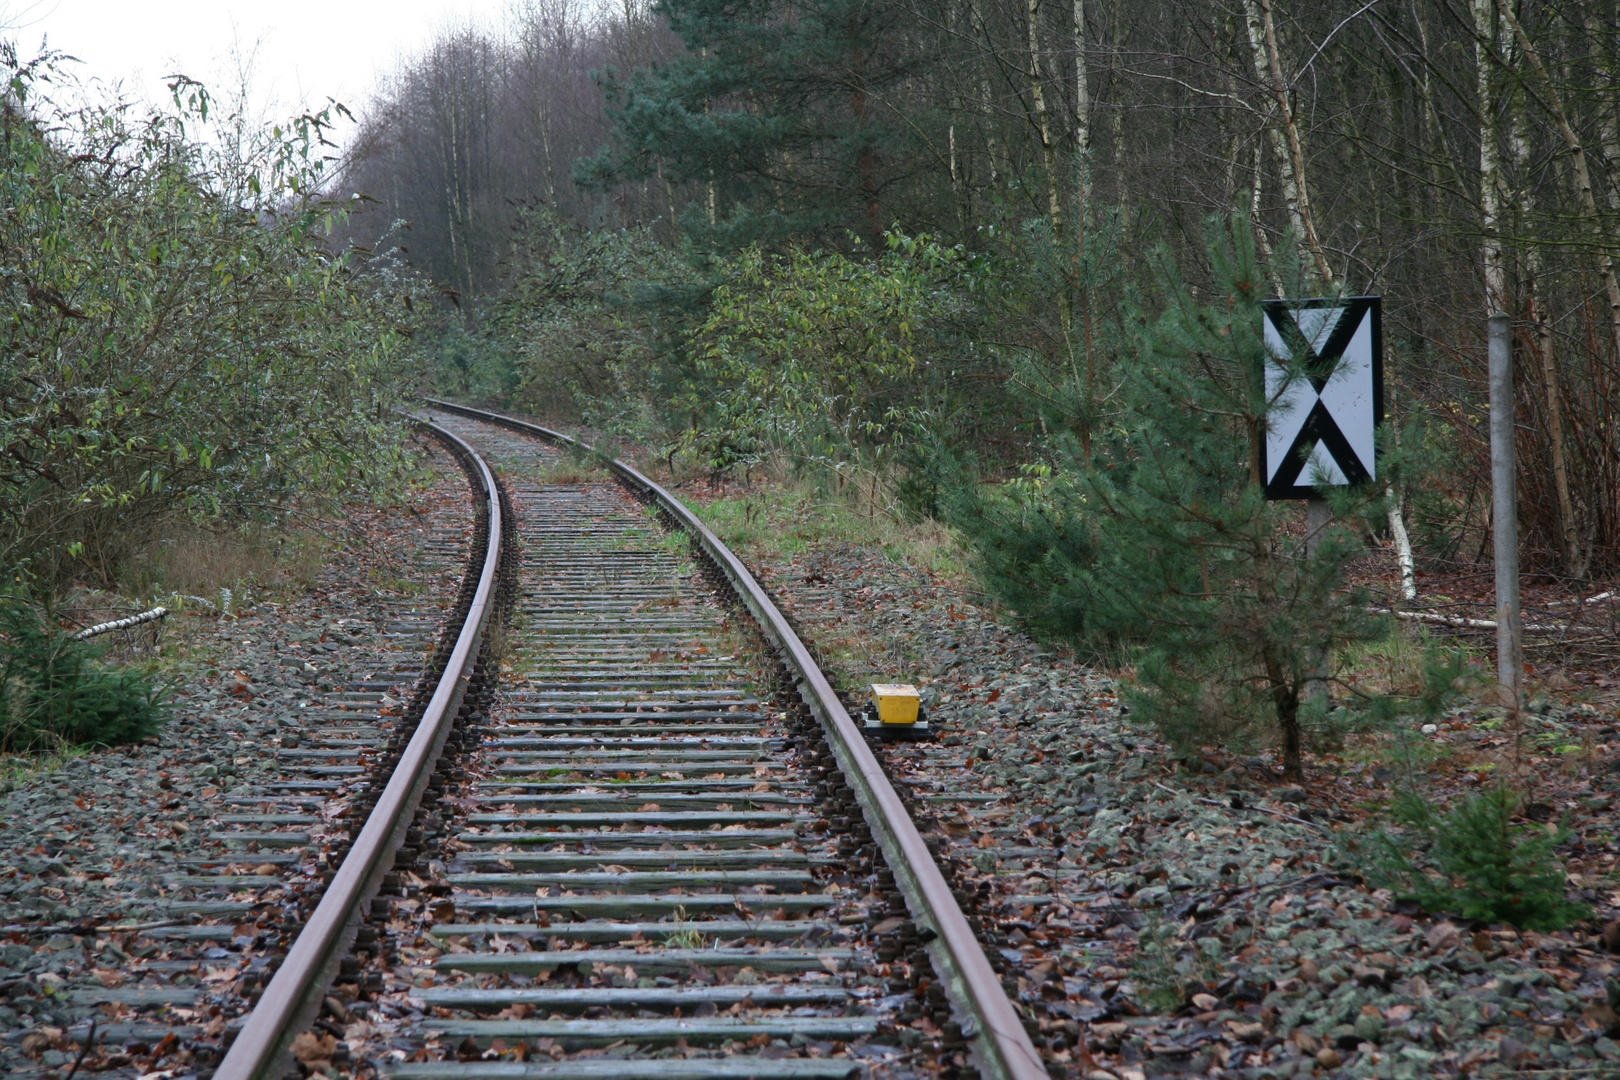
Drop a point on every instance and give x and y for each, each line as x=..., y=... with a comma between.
x=963, y=260
x=986, y=262
x=828, y=231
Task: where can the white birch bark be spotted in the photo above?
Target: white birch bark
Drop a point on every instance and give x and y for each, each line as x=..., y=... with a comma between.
x=1043, y=122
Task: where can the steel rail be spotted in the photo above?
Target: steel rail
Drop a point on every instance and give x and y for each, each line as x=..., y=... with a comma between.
x=1001, y=1046
x=289, y=1002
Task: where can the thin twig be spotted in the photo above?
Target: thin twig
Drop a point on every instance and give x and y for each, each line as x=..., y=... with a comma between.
x=84, y=930
x=1226, y=895
x=89, y=1041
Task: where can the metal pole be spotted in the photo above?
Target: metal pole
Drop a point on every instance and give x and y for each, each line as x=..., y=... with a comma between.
x=1318, y=516
x=1505, y=514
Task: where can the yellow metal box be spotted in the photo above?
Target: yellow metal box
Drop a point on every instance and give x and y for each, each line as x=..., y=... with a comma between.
x=896, y=703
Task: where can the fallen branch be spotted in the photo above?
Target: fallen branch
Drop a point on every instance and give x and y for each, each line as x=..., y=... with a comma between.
x=121, y=624
x=1464, y=621
x=88, y=927
x=1225, y=895
x=1598, y=599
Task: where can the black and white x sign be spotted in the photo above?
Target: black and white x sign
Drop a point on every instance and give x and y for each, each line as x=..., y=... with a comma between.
x=1325, y=386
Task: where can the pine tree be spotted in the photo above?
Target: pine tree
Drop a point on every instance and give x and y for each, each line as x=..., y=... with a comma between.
x=775, y=114
x=1160, y=547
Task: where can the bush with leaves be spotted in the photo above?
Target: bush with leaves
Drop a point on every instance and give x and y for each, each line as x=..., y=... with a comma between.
x=590, y=320
x=827, y=356
x=176, y=336
x=55, y=691
x=1475, y=862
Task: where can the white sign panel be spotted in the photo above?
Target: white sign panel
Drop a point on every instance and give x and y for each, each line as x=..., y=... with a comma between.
x=1325, y=386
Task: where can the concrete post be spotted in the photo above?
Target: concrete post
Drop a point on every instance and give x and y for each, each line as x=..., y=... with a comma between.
x=1505, y=514
x=1318, y=516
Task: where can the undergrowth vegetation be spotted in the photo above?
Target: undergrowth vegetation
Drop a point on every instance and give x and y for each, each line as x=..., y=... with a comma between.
x=790, y=516
x=178, y=339
x=55, y=691
x=185, y=366
x=253, y=560
x=1474, y=861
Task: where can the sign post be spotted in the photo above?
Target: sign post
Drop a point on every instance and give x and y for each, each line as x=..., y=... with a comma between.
x=1325, y=385
x=1505, y=513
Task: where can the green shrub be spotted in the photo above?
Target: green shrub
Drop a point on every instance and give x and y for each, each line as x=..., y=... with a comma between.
x=178, y=338
x=1477, y=863
x=586, y=321
x=55, y=690
x=1155, y=544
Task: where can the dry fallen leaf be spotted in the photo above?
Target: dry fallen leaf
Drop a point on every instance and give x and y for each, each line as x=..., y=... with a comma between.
x=1441, y=935
x=309, y=1047
x=37, y=1041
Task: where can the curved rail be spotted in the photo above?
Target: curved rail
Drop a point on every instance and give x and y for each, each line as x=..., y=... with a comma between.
x=293, y=995
x=1002, y=1045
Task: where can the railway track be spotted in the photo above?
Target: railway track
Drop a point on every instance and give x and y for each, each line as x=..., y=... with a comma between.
x=626, y=830
x=161, y=943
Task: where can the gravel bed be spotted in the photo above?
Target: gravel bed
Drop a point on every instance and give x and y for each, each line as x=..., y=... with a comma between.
x=1154, y=923
x=111, y=907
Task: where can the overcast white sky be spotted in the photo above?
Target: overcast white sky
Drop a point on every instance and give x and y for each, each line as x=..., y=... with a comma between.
x=308, y=50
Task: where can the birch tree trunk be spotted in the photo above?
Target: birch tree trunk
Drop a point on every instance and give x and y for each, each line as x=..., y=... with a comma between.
x=1568, y=528
x=1043, y=123
x=1286, y=144
x=1260, y=237
x=1296, y=147
x=1082, y=109
x=1082, y=220
x=1490, y=161
x=986, y=107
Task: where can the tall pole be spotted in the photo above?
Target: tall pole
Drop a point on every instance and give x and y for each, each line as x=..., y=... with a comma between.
x=1505, y=514
x=1318, y=516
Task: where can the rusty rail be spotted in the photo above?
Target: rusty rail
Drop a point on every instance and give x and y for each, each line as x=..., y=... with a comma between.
x=289, y=1002
x=1002, y=1047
